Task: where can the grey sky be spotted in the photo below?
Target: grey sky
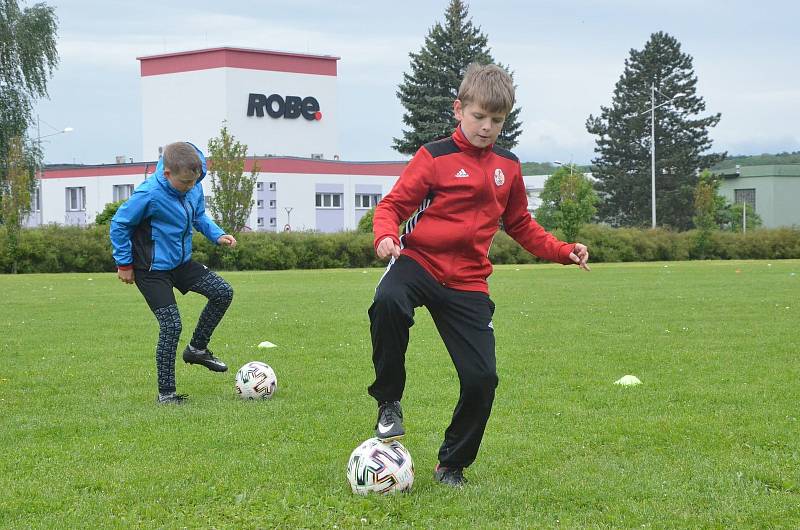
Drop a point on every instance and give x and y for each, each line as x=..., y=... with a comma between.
x=566, y=55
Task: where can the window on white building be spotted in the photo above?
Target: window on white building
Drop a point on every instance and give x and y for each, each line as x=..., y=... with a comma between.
x=259, y=186
x=747, y=195
x=36, y=199
x=272, y=221
x=273, y=203
x=367, y=200
x=76, y=199
x=259, y=203
x=122, y=192
x=329, y=200
x=272, y=186
x=260, y=221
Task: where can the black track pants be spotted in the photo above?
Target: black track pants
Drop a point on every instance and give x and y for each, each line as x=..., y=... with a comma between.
x=463, y=319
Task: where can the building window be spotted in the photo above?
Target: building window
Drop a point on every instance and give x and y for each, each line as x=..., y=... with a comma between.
x=260, y=203
x=76, y=199
x=273, y=203
x=259, y=186
x=272, y=221
x=260, y=221
x=316, y=156
x=36, y=199
x=329, y=200
x=122, y=192
x=367, y=200
x=272, y=186
x=745, y=195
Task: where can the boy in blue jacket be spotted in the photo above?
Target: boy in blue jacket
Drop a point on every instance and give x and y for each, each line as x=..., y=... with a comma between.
x=151, y=235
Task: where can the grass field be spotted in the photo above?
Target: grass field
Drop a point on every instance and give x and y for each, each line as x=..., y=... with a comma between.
x=710, y=439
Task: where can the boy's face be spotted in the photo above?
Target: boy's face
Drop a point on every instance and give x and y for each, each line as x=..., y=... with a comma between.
x=480, y=126
x=182, y=182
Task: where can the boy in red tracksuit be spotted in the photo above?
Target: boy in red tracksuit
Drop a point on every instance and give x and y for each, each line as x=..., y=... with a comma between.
x=461, y=188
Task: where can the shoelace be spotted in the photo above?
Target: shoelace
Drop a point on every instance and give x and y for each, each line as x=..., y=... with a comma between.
x=389, y=412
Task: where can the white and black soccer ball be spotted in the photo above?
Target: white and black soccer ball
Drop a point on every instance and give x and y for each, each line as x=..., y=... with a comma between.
x=379, y=467
x=256, y=380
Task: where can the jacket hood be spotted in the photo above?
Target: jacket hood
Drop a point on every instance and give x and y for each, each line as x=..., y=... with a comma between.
x=161, y=179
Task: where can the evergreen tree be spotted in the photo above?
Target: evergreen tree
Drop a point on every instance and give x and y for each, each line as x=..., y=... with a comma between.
x=429, y=90
x=623, y=166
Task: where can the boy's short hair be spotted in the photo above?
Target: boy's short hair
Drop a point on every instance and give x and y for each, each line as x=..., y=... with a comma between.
x=489, y=86
x=181, y=159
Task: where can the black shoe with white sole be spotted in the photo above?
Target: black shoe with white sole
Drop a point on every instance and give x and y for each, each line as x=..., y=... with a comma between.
x=451, y=476
x=390, y=421
x=192, y=355
x=171, y=399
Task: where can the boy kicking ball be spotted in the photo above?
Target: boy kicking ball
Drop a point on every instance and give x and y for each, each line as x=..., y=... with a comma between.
x=461, y=188
x=151, y=235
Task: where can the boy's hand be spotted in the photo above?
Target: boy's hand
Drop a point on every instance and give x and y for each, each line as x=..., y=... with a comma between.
x=227, y=239
x=125, y=275
x=386, y=248
x=580, y=255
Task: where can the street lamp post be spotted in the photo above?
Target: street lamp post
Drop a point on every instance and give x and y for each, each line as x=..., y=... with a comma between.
x=288, y=226
x=652, y=112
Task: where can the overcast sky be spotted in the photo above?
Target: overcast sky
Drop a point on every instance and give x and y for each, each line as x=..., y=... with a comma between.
x=567, y=55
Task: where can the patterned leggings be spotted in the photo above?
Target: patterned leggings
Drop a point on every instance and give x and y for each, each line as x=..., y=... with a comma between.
x=220, y=295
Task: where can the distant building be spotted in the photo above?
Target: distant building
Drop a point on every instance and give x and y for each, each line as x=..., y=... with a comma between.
x=772, y=191
x=282, y=105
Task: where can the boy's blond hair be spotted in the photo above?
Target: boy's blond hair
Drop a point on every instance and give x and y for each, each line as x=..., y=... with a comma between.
x=489, y=86
x=181, y=159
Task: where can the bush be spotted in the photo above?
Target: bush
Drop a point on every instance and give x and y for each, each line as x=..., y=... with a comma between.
x=56, y=248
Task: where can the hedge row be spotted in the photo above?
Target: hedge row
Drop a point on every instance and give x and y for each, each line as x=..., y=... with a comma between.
x=73, y=249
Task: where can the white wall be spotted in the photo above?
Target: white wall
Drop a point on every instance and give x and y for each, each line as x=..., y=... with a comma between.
x=282, y=136
x=99, y=192
x=192, y=106
x=184, y=106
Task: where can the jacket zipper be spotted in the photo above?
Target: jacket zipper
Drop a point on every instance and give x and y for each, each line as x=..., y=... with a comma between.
x=185, y=232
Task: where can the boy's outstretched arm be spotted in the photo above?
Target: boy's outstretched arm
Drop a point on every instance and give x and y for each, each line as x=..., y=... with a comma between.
x=527, y=232
x=206, y=226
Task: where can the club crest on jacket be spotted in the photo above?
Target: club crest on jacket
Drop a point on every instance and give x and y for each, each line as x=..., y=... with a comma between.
x=499, y=177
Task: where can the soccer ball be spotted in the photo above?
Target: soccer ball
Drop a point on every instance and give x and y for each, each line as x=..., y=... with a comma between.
x=256, y=380
x=378, y=467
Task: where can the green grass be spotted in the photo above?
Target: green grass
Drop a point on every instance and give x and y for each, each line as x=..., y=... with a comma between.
x=710, y=439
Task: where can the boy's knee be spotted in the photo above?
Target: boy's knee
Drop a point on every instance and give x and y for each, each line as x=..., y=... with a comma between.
x=480, y=385
x=169, y=320
x=390, y=302
x=225, y=295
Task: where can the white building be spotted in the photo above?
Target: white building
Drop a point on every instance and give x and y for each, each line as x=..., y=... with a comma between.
x=282, y=105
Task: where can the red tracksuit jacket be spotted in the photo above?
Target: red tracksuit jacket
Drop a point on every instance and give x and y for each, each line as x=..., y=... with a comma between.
x=460, y=193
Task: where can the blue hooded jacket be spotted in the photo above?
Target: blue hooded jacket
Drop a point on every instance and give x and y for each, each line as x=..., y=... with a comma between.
x=153, y=229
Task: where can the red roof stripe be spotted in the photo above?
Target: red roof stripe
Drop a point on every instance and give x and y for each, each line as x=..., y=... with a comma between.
x=266, y=165
x=170, y=63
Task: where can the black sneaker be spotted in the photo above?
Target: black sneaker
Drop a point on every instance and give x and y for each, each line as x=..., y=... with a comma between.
x=452, y=476
x=192, y=355
x=171, y=398
x=390, y=422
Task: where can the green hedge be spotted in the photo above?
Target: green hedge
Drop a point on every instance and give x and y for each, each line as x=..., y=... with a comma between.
x=73, y=249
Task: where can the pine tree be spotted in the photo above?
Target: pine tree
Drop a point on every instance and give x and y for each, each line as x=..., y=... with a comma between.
x=623, y=166
x=429, y=90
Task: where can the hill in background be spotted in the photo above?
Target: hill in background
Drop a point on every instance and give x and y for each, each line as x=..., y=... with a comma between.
x=765, y=159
